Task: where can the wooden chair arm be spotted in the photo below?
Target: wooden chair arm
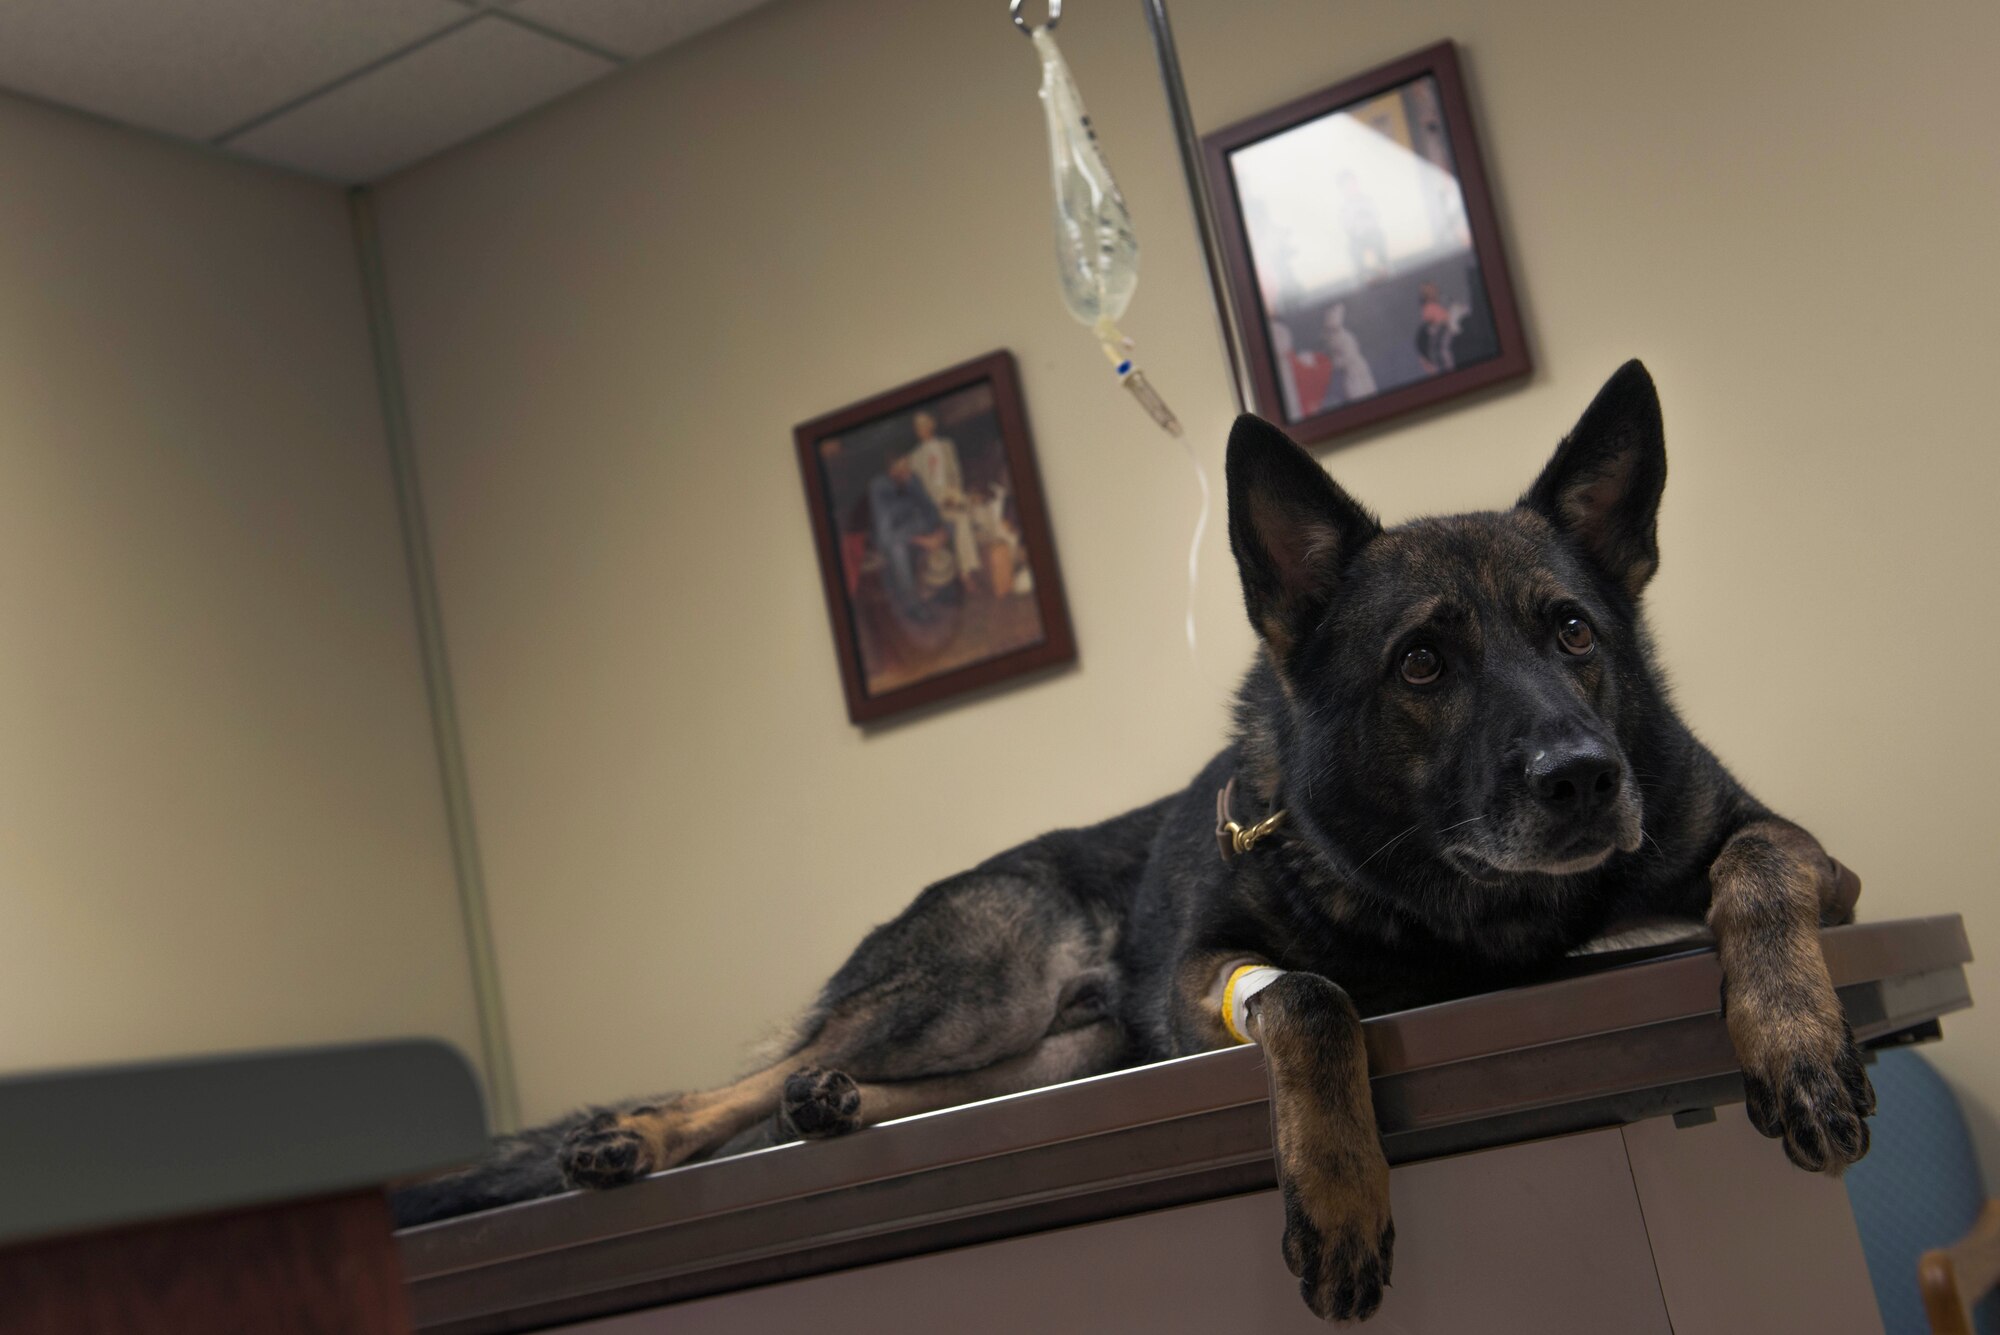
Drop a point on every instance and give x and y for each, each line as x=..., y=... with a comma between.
x=1953, y=1278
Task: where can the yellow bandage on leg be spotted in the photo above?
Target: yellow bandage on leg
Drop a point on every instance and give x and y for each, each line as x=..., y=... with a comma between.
x=1245, y=983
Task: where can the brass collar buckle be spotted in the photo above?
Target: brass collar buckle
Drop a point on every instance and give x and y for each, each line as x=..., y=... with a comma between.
x=1232, y=839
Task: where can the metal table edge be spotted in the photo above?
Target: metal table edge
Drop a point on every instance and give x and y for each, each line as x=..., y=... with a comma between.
x=446, y=1261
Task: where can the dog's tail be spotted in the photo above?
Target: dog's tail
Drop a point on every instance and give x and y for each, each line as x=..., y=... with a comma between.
x=524, y=1166
x=520, y=1167
x=527, y=1166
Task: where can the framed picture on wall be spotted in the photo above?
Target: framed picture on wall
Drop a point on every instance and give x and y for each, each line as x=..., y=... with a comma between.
x=934, y=544
x=1363, y=256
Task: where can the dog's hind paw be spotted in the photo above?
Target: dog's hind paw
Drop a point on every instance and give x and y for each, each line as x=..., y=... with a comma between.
x=1818, y=1107
x=606, y=1151
x=820, y=1103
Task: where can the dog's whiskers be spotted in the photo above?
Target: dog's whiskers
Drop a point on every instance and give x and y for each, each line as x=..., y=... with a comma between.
x=1386, y=847
x=1406, y=834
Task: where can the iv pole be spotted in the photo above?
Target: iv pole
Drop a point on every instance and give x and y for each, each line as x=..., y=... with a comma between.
x=1204, y=217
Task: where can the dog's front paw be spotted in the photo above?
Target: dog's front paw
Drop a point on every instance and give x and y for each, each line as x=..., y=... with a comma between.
x=1815, y=1097
x=607, y=1151
x=1338, y=1238
x=1341, y=1249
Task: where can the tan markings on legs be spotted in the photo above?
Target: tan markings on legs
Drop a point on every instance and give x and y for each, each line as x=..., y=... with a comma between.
x=1339, y=1239
x=620, y=1147
x=1091, y=1049
x=1198, y=987
x=1803, y=1079
x=614, y=1148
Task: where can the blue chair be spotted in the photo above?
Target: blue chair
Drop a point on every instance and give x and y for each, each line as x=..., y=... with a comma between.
x=1920, y=1189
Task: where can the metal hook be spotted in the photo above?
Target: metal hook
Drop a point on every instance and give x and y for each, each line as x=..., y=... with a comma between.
x=1014, y=13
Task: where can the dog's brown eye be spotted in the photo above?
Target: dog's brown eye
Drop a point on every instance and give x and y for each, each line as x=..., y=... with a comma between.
x=1577, y=637
x=1421, y=667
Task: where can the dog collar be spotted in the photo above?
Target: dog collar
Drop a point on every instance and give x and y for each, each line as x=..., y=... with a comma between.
x=1232, y=839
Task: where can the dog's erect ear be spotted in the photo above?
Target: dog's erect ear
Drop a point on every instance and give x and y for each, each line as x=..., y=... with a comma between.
x=1603, y=485
x=1291, y=528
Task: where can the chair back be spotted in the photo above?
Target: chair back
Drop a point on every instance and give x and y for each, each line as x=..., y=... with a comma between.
x=1920, y=1187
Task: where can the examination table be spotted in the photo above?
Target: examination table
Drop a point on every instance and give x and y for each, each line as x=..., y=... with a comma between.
x=1564, y=1164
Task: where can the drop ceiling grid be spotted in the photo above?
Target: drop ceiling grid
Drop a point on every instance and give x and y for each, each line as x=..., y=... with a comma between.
x=196, y=70
x=439, y=94
x=348, y=90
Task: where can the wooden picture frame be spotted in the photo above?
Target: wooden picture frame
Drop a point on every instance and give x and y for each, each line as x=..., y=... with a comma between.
x=935, y=551
x=1362, y=252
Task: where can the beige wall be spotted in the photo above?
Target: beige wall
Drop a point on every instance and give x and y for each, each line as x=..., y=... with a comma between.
x=614, y=313
x=219, y=815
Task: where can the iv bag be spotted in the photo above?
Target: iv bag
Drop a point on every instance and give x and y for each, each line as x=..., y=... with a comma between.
x=1097, y=253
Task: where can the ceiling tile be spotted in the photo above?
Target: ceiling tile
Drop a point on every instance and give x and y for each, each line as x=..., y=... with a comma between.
x=197, y=70
x=466, y=81
x=632, y=27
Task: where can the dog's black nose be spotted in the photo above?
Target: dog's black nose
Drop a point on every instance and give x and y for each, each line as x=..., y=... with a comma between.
x=1574, y=781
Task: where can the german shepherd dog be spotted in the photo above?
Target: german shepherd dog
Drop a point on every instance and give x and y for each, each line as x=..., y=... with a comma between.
x=1456, y=763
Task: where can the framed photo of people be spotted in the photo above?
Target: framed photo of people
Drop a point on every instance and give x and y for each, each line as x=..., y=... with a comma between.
x=1362, y=252
x=934, y=544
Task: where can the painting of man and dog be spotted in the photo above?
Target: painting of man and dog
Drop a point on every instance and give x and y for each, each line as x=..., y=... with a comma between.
x=934, y=543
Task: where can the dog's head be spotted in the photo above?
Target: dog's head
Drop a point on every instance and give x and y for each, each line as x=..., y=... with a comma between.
x=1458, y=699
